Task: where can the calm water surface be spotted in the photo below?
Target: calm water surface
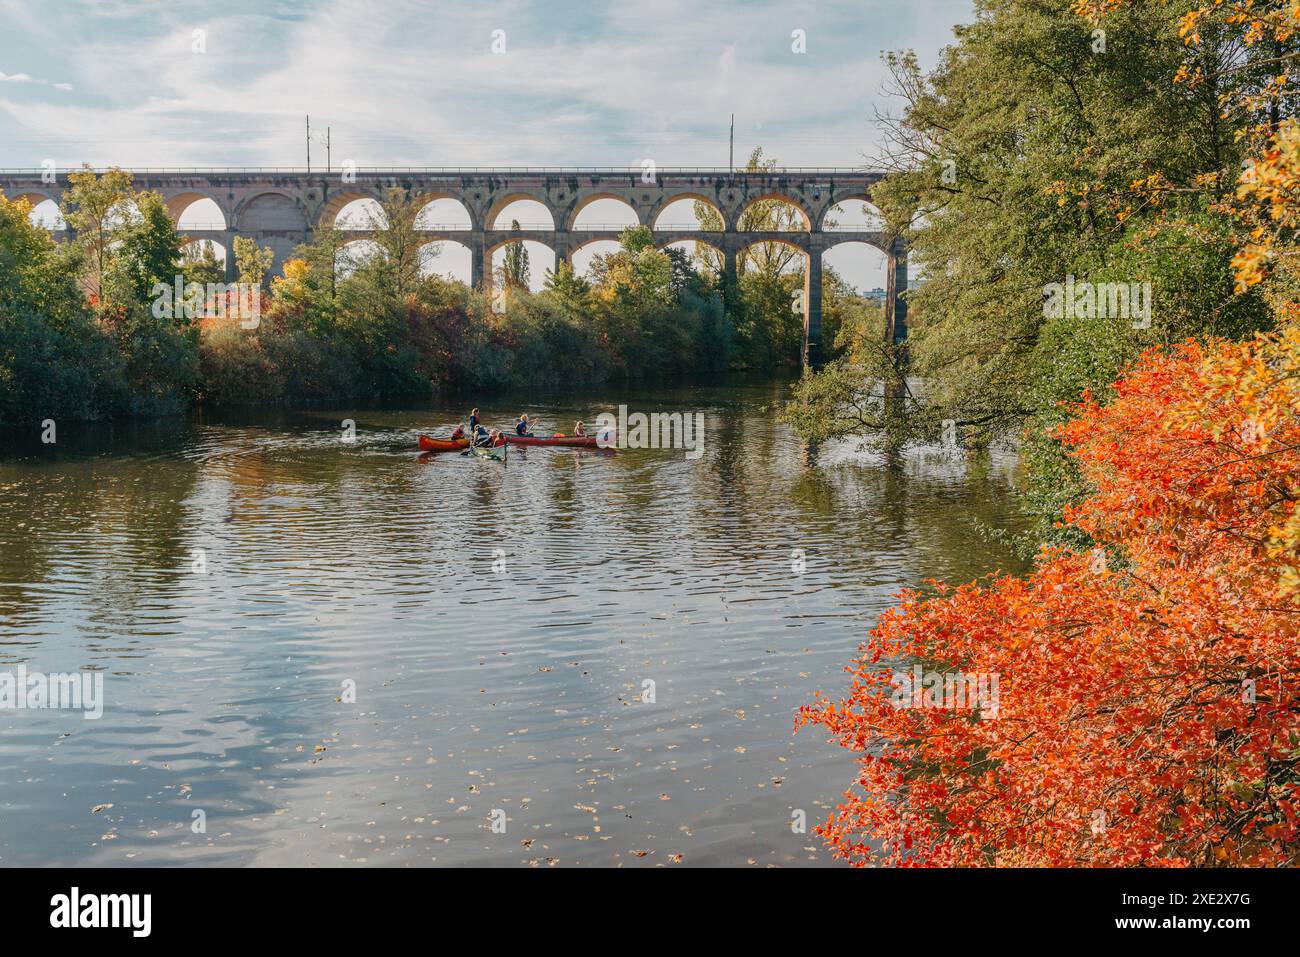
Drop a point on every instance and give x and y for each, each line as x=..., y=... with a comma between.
x=512, y=687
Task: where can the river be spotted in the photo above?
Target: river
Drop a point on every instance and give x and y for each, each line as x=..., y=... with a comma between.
x=348, y=654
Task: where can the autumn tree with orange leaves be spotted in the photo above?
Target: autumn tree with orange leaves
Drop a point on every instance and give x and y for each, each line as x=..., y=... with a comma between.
x=1148, y=700
x=1148, y=706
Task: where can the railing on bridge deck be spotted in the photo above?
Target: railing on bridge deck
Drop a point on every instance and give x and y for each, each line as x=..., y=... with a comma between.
x=547, y=227
x=516, y=170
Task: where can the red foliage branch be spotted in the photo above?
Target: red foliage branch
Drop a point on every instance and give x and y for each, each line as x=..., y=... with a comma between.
x=1147, y=713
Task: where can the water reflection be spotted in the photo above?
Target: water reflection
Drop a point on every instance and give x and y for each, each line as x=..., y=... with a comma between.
x=498, y=623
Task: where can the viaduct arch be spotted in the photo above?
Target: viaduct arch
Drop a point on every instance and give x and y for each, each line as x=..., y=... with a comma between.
x=281, y=208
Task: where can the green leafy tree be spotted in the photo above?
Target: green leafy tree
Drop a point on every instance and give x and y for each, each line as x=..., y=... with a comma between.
x=159, y=348
x=93, y=208
x=399, y=241
x=56, y=361
x=149, y=253
x=252, y=262
x=654, y=310
x=1020, y=161
x=568, y=288
x=321, y=284
x=515, y=272
x=199, y=263
x=851, y=324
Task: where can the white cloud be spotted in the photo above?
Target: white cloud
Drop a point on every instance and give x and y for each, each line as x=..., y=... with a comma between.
x=29, y=79
x=409, y=83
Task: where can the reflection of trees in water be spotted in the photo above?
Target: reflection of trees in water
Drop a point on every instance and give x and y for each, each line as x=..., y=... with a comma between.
x=563, y=503
x=114, y=527
x=933, y=513
x=288, y=497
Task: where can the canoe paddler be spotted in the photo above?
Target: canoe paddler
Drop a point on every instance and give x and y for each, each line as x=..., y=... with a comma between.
x=521, y=427
x=481, y=437
x=579, y=428
x=473, y=421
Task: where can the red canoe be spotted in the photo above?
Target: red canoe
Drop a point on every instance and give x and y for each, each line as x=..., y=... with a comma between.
x=574, y=441
x=442, y=445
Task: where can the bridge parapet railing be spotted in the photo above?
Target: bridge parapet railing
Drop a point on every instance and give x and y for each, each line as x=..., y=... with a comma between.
x=515, y=170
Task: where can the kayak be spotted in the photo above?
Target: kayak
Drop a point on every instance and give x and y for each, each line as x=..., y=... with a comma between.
x=496, y=452
x=442, y=445
x=572, y=441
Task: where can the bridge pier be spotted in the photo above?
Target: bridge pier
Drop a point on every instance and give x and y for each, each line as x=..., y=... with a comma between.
x=228, y=240
x=563, y=249
x=895, y=287
x=730, y=276
x=477, y=243
x=812, y=308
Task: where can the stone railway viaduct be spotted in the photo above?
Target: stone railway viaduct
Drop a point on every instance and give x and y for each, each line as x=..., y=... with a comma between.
x=281, y=208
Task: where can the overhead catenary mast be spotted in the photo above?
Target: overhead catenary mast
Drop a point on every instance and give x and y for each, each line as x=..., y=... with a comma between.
x=731, y=152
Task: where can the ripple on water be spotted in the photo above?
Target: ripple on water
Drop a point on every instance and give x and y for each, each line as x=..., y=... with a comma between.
x=502, y=627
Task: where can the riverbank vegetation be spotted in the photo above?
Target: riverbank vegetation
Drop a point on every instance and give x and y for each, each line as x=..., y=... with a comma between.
x=1146, y=707
x=361, y=320
x=1045, y=147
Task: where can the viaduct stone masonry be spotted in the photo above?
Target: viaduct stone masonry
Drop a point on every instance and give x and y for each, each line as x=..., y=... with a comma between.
x=280, y=208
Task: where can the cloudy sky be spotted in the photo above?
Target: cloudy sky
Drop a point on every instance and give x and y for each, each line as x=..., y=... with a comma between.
x=169, y=83
x=417, y=83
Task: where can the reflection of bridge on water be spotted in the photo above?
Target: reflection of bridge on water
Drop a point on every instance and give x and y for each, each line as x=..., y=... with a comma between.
x=280, y=208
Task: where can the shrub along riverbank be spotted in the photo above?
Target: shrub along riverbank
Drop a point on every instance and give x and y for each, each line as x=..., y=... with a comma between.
x=81, y=336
